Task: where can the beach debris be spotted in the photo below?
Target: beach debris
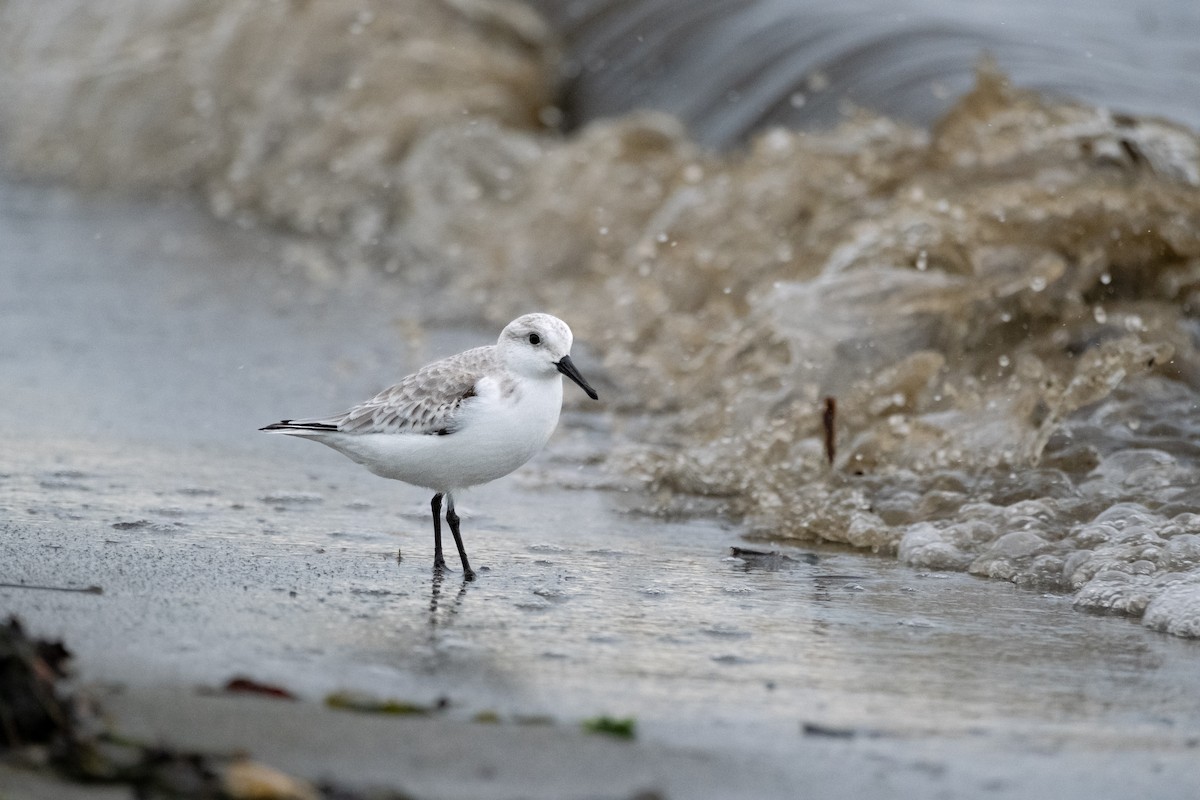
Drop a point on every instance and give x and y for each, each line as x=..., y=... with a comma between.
x=356, y=701
x=36, y=716
x=840, y=732
x=770, y=559
x=240, y=685
x=533, y=719
x=492, y=717
x=827, y=731
x=618, y=728
x=31, y=709
x=249, y=780
x=79, y=589
x=829, y=422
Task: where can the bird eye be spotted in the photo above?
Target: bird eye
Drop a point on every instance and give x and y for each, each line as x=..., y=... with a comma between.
x=535, y=339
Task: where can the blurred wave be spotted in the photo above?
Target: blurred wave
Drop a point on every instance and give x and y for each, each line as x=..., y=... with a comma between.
x=730, y=68
x=295, y=113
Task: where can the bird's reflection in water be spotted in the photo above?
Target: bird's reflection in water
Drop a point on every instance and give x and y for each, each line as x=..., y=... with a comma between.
x=442, y=612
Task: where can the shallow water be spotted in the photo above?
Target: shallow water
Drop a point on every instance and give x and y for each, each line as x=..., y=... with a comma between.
x=134, y=466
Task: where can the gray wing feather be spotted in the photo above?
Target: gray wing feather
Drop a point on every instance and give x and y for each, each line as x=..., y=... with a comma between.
x=428, y=401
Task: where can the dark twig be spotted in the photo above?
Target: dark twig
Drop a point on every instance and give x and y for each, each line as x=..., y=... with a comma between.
x=86, y=590
x=830, y=420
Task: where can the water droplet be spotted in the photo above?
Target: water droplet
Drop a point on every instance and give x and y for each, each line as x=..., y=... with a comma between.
x=817, y=81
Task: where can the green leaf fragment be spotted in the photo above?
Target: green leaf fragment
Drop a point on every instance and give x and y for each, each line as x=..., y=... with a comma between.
x=349, y=701
x=611, y=726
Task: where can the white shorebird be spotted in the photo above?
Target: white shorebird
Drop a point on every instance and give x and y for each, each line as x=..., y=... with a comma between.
x=459, y=422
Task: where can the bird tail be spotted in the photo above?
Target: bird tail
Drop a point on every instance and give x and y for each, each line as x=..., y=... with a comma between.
x=300, y=426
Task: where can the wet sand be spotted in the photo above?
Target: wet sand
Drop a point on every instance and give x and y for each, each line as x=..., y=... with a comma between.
x=142, y=345
x=1003, y=305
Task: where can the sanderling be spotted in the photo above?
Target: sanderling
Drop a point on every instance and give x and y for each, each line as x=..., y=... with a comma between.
x=459, y=422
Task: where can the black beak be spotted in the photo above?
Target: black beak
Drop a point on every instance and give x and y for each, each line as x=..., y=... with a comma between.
x=566, y=367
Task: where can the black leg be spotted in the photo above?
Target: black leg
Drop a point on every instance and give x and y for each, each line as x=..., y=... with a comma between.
x=452, y=518
x=438, y=561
